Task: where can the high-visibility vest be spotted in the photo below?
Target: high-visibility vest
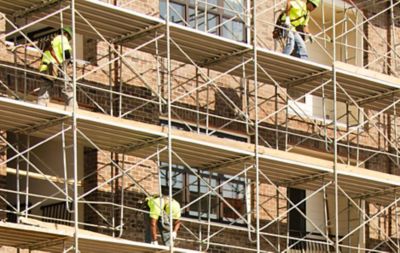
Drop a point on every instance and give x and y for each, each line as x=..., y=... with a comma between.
x=298, y=13
x=54, y=55
x=157, y=204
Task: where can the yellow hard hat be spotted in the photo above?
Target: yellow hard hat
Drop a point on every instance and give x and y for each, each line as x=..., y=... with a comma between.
x=315, y=2
x=68, y=30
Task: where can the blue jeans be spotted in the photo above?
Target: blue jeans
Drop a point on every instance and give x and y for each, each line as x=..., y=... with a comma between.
x=295, y=43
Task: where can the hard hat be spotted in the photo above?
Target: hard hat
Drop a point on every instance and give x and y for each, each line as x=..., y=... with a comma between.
x=68, y=30
x=315, y=2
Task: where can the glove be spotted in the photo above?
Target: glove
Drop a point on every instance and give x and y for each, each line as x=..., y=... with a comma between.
x=174, y=235
x=154, y=243
x=287, y=21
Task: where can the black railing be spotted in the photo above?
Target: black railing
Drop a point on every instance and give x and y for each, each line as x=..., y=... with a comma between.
x=57, y=213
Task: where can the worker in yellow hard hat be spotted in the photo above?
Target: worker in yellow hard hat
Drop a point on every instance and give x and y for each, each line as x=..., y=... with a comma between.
x=158, y=207
x=56, y=53
x=296, y=18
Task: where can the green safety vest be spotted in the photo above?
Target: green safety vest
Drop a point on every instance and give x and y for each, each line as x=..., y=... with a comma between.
x=298, y=13
x=55, y=54
x=157, y=204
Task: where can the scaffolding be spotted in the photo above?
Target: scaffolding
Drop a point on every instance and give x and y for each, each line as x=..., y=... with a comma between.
x=263, y=77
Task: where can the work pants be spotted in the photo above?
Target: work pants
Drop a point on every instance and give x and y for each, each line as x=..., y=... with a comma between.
x=296, y=45
x=147, y=230
x=47, y=83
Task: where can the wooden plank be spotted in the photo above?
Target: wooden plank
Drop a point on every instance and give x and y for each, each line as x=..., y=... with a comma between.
x=394, y=81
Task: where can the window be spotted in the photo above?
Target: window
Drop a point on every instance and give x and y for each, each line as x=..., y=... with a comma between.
x=187, y=187
x=313, y=107
x=225, y=18
x=297, y=222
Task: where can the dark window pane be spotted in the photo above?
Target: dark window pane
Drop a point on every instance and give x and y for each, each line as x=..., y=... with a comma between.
x=188, y=187
x=203, y=205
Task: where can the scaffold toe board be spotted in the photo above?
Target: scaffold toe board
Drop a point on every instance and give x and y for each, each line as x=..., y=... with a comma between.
x=56, y=238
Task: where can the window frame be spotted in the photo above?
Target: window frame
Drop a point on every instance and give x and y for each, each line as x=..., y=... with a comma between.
x=220, y=12
x=220, y=178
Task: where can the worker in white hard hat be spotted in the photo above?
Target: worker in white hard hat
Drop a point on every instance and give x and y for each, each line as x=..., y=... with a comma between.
x=55, y=53
x=296, y=19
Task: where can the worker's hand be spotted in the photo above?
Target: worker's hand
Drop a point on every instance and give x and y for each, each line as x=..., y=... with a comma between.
x=68, y=62
x=154, y=243
x=174, y=235
x=287, y=21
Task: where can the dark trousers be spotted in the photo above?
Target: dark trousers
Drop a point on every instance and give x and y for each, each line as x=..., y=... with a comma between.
x=164, y=232
x=47, y=83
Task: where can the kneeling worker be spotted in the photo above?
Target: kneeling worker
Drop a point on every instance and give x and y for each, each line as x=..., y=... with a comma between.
x=158, y=206
x=57, y=53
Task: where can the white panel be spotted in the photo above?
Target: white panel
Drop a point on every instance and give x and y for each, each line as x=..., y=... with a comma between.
x=315, y=212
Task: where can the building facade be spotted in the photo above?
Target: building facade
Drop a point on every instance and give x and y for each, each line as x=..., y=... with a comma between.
x=165, y=104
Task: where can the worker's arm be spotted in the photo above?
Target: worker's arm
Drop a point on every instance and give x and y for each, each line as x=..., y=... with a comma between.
x=153, y=229
x=288, y=6
x=177, y=225
x=66, y=47
x=306, y=30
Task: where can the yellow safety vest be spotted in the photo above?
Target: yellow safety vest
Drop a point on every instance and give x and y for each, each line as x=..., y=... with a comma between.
x=55, y=54
x=298, y=13
x=157, y=204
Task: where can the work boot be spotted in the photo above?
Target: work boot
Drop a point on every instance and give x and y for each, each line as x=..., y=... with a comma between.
x=43, y=99
x=69, y=99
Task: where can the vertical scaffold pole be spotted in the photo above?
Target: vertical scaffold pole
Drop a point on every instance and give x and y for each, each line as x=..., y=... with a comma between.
x=74, y=130
x=335, y=146
x=393, y=32
x=171, y=247
x=396, y=215
x=278, y=228
x=248, y=20
x=18, y=183
x=28, y=156
x=256, y=126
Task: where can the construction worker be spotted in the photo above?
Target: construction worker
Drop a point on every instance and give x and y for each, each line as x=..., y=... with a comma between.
x=296, y=19
x=159, y=207
x=56, y=53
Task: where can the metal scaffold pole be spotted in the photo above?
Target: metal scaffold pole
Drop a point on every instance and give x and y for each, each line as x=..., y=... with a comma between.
x=168, y=36
x=204, y=99
x=256, y=126
x=335, y=134
x=74, y=130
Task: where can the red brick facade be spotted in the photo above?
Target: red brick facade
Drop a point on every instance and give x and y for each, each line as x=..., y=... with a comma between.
x=100, y=166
